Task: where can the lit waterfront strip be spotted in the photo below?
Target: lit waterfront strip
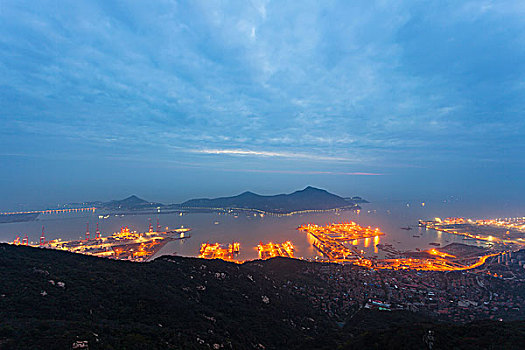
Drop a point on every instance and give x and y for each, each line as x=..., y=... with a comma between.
x=123, y=245
x=271, y=250
x=328, y=240
x=349, y=207
x=219, y=251
x=51, y=211
x=437, y=224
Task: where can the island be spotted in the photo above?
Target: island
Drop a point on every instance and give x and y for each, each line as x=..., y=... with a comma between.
x=310, y=199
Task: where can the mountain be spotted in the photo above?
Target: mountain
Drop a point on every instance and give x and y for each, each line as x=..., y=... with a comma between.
x=132, y=202
x=52, y=299
x=169, y=303
x=310, y=198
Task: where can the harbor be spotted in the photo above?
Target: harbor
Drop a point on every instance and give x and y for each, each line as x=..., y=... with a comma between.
x=122, y=245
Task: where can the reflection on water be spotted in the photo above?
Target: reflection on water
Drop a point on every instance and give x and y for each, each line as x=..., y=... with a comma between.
x=249, y=230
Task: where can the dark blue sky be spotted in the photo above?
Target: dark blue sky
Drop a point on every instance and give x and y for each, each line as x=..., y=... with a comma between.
x=177, y=99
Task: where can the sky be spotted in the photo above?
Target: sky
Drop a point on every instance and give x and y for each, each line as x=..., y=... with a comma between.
x=172, y=100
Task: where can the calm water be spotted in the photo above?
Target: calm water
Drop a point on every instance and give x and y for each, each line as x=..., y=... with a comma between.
x=250, y=229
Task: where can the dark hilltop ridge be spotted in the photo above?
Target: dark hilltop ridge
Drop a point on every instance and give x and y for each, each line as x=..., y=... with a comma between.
x=59, y=300
x=310, y=198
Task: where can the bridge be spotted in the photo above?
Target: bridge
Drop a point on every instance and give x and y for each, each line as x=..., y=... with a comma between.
x=51, y=211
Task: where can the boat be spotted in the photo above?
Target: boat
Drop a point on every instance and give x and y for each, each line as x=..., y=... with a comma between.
x=408, y=228
x=435, y=244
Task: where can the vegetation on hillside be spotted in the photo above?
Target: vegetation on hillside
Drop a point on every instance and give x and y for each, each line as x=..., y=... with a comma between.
x=52, y=299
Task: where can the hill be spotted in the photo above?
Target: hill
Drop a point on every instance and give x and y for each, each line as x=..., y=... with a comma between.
x=53, y=299
x=132, y=202
x=173, y=302
x=310, y=198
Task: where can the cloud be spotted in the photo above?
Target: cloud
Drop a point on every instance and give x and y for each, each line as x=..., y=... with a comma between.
x=244, y=152
x=371, y=83
x=306, y=172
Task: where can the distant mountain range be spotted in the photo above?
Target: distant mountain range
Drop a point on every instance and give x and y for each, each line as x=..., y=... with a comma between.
x=310, y=198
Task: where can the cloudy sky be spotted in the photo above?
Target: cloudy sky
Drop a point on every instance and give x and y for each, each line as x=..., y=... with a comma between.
x=177, y=99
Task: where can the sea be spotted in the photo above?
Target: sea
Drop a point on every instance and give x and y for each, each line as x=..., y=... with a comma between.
x=398, y=219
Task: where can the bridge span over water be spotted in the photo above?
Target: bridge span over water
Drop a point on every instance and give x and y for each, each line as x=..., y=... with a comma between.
x=52, y=211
